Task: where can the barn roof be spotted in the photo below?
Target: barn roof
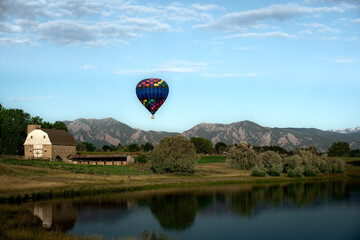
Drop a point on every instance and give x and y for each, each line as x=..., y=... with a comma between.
x=60, y=137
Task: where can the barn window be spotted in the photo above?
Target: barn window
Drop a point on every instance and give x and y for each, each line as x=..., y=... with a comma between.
x=31, y=137
x=44, y=136
x=30, y=150
x=45, y=150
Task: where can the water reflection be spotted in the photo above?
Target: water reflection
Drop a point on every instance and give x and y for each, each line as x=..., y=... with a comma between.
x=177, y=210
x=60, y=216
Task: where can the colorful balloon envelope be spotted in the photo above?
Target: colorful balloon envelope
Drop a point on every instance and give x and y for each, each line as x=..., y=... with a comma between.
x=152, y=93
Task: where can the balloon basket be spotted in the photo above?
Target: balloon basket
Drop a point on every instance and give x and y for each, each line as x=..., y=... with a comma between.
x=152, y=117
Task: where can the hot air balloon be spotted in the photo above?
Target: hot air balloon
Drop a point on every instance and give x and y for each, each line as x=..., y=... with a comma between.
x=152, y=93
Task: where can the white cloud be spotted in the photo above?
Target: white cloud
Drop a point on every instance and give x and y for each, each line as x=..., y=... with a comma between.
x=356, y=21
x=144, y=24
x=205, y=7
x=35, y=98
x=26, y=9
x=86, y=67
x=228, y=75
x=243, y=48
x=14, y=41
x=305, y=32
x=219, y=75
x=67, y=32
x=267, y=34
x=322, y=28
x=253, y=74
x=173, y=66
x=95, y=23
x=249, y=19
x=351, y=39
x=343, y=59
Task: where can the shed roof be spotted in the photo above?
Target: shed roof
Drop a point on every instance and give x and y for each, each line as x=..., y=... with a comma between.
x=100, y=156
x=60, y=137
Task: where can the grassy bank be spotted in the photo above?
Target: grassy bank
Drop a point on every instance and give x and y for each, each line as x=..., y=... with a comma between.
x=36, y=179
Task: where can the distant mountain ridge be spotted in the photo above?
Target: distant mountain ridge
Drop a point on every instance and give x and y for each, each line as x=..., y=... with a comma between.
x=348, y=130
x=109, y=131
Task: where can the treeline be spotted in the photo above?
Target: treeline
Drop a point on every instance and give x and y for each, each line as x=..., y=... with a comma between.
x=338, y=149
x=13, y=129
x=303, y=162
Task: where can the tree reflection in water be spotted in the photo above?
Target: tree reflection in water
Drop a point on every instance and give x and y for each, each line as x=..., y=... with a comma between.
x=247, y=202
x=176, y=210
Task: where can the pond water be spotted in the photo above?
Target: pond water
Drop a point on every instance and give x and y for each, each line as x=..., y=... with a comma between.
x=326, y=210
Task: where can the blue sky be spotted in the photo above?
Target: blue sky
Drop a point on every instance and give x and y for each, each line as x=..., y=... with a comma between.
x=277, y=63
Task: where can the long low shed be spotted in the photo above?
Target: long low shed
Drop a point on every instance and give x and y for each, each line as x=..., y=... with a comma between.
x=103, y=159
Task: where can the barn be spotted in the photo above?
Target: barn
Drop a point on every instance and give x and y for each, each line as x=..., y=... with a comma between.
x=49, y=144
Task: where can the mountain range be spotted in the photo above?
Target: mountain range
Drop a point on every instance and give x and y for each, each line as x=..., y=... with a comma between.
x=109, y=131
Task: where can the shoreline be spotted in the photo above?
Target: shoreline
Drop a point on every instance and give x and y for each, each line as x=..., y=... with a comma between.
x=37, y=180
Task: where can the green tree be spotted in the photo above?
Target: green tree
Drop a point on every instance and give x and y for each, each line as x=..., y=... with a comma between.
x=220, y=147
x=59, y=125
x=13, y=130
x=339, y=149
x=134, y=147
x=89, y=146
x=147, y=147
x=106, y=148
x=174, y=154
x=202, y=145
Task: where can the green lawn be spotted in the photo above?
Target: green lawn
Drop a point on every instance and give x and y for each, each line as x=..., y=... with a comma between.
x=212, y=159
x=76, y=168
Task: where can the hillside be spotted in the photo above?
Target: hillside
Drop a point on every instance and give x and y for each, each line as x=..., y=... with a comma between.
x=112, y=132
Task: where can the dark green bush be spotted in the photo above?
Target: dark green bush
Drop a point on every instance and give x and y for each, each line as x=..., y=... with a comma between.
x=276, y=170
x=323, y=164
x=141, y=158
x=258, y=171
x=337, y=165
x=311, y=171
x=241, y=156
x=293, y=162
x=295, y=172
x=174, y=154
x=269, y=158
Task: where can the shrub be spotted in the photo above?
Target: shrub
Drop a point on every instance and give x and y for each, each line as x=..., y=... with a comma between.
x=295, y=172
x=323, y=165
x=141, y=159
x=293, y=162
x=174, y=154
x=241, y=156
x=258, y=171
x=337, y=165
x=276, y=169
x=272, y=161
x=311, y=171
